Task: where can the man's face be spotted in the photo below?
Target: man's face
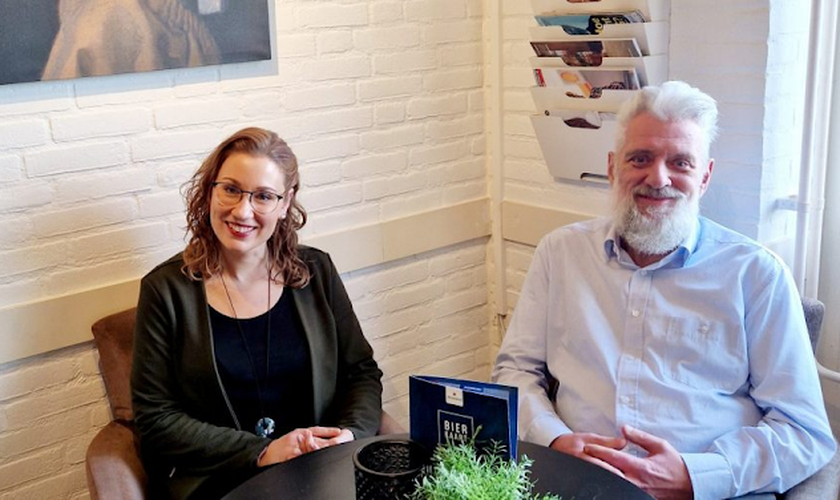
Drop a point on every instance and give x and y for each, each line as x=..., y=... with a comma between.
x=658, y=177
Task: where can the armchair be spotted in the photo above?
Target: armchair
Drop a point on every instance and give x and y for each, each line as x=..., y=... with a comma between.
x=825, y=484
x=112, y=463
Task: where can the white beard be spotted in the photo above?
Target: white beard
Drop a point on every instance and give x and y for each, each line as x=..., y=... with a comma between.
x=659, y=230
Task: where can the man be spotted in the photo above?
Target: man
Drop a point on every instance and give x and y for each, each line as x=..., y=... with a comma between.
x=658, y=344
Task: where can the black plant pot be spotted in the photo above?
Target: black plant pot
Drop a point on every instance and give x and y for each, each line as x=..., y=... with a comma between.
x=387, y=469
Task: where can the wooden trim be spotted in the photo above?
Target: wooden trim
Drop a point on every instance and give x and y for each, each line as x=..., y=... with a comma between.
x=46, y=325
x=527, y=224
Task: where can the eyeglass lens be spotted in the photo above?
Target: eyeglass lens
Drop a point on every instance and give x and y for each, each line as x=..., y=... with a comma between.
x=262, y=201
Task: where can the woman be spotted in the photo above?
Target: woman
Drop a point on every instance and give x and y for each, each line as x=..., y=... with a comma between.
x=247, y=351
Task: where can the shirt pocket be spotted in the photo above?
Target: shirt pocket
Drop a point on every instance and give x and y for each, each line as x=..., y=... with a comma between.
x=702, y=354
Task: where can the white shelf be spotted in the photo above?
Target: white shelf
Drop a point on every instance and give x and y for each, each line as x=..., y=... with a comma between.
x=651, y=37
x=574, y=153
x=653, y=10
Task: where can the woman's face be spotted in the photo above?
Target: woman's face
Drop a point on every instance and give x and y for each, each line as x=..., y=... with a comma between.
x=241, y=231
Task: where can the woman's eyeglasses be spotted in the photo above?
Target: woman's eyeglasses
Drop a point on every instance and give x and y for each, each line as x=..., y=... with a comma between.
x=262, y=201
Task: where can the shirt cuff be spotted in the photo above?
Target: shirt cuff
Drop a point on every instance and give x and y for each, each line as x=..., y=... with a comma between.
x=711, y=475
x=545, y=429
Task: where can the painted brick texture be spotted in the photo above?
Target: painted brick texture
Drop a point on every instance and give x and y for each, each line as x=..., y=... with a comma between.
x=383, y=104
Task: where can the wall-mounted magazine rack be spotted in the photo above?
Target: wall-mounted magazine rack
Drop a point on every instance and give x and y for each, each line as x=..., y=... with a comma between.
x=651, y=37
x=649, y=69
x=652, y=10
x=574, y=153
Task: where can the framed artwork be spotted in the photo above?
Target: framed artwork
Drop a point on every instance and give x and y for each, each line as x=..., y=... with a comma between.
x=60, y=39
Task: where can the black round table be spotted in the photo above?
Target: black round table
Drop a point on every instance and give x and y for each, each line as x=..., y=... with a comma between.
x=328, y=474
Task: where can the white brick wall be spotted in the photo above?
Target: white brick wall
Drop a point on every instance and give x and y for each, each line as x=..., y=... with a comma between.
x=425, y=314
x=50, y=409
x=383, y=103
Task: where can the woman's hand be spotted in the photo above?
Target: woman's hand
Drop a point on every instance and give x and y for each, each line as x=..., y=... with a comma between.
x=345, y=436
x=300, y=441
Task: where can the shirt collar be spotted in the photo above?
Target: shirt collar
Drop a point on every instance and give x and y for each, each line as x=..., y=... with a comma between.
x=677, y=258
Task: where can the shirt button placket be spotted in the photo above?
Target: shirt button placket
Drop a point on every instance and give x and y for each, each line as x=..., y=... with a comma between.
x=630, y=362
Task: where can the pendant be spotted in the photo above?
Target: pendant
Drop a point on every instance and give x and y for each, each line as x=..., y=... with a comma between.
x=265, y=427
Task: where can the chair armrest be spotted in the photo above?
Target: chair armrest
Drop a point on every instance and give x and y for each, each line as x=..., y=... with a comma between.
x=823, y=485
x=113, y=464
x=389, y=425
x=828, y=373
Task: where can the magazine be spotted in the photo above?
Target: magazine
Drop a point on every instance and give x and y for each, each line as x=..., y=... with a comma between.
x=589, y=24
x=577, y=118
x=587, y=52
x=448, y=410
x=587, y=83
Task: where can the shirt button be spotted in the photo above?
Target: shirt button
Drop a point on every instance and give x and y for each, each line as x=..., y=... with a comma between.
x=635, y=313
x=644, y=273
x=625, y=399
x=704, y=328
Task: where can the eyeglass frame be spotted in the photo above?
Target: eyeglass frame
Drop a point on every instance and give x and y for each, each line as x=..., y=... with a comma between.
x=250, y=196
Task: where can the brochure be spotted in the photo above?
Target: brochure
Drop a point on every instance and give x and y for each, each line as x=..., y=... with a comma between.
x=448, y=410
x=587, y=83
x=587, y=52
x=589, y=24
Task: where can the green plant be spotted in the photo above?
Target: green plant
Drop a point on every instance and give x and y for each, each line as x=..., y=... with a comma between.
x=460, y=473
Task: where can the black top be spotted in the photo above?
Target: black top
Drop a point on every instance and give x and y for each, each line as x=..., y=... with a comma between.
x=287, y=391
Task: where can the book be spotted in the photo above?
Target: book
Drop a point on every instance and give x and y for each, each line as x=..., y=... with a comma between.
x=587, y=52
x=589, y=24
x=447, y=410
x=587, y=83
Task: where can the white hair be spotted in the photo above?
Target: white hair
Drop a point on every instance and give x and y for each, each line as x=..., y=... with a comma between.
x=671, y=101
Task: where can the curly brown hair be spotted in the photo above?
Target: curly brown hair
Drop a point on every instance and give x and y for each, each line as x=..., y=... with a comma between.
x=202, y=256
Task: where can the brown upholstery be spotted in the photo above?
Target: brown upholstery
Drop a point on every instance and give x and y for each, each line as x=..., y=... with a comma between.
x=114, y=338
x=113, y=462
x=114, y=470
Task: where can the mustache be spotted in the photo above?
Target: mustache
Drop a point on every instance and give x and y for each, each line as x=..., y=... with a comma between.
x=658, y=193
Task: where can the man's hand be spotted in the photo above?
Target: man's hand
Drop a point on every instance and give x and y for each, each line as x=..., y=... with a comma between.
x=575, y=443
x=662, y=473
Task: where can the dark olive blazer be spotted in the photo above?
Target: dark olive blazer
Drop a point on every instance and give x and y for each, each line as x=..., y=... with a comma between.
x=183, y=417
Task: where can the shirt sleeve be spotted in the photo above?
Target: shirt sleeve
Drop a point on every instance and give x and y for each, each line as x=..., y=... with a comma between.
x=793, y=439
x=521, y=361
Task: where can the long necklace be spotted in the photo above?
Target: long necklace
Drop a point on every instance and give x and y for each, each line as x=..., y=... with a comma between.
x=265, y=425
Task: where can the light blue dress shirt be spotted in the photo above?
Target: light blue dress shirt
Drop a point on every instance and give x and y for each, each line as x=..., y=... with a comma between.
x=706, y=348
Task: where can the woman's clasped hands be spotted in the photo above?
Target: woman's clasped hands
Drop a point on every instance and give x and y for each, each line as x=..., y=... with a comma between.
x=300, y=441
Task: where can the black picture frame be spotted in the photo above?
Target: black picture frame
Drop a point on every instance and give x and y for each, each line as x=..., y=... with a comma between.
x=234, y=31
